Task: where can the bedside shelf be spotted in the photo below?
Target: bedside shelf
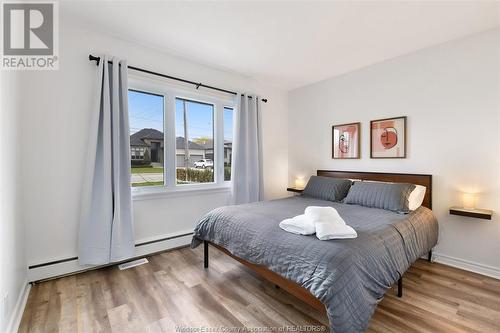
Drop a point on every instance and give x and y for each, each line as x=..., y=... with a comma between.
x=295, y=189
x=476, y=213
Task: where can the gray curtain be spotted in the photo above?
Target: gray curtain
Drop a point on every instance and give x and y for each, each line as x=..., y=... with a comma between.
x=106, y=226
x=245, y=169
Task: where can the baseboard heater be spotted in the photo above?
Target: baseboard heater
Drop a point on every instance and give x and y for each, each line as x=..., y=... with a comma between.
x=55, y=262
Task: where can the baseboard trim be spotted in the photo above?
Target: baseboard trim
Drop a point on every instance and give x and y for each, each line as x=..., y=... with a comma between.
x=17, y=314
x=169, y=242
x=467, y=265
x=145, y=247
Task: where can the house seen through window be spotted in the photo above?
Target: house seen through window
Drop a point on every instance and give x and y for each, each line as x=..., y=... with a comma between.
x=196, y=157
x=146, y=138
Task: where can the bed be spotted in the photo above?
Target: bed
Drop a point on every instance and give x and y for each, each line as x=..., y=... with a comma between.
x=344, y=278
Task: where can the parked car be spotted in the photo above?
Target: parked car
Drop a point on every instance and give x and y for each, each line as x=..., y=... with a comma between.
x=204, y=163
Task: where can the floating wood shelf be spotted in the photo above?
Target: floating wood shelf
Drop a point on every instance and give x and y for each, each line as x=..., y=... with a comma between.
x=295, y=189
x=476, y=213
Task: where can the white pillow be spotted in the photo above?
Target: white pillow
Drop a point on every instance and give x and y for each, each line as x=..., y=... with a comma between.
x=416, y=197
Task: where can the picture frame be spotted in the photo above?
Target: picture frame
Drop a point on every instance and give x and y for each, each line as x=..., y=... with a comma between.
x=388, y=138
x=346, y=143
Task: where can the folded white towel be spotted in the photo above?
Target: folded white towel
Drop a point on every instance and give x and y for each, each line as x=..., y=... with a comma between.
x=324, y=221
x=300, y=225
x=323, y=214
x=327, y=230
x=329, y=224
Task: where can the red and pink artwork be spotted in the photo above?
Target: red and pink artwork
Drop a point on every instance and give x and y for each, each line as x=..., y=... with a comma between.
x=388, y=138
x=345, y=141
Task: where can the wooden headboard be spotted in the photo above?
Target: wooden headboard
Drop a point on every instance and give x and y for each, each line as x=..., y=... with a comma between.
x=417, y=179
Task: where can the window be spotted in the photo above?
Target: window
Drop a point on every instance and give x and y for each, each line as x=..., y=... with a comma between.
x=228, y=142
x=146, y=138
x=194, y=142
x=177, y=138
x=136, y=153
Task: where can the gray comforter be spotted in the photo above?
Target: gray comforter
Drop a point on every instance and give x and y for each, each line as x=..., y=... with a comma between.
x=349, y=276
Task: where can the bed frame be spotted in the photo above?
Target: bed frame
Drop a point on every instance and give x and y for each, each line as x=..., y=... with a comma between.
x=299, y=291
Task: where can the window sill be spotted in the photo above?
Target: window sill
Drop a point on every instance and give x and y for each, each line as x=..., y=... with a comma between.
x=187, y=190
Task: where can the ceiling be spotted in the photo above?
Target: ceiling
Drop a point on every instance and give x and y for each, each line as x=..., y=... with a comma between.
x=289, y=44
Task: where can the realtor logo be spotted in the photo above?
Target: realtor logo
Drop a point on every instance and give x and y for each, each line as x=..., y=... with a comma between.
x=29, y=36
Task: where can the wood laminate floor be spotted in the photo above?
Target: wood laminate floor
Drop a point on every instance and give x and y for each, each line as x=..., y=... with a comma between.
x=174, y=290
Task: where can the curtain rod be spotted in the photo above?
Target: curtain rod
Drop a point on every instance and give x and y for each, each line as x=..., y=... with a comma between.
x=198, y=85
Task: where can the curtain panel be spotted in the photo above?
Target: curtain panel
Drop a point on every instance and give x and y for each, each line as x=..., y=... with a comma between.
x=245, y=169
x=106, y=231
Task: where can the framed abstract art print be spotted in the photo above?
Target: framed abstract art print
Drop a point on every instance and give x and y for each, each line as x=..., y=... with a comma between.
x=345, y=141
x=388, y=138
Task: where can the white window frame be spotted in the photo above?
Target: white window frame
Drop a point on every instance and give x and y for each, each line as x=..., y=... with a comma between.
x=170, y=92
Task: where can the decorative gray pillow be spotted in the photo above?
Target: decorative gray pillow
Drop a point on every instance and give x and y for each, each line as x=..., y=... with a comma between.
x=327, y=188
x=389, y=196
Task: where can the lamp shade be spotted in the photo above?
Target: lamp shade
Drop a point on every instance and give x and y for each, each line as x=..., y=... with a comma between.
x=469, y=200
x=300, y=182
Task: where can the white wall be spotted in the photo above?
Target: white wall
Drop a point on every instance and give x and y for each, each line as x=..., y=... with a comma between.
x=13, y=272
x=450, y=94
x=54, y=128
